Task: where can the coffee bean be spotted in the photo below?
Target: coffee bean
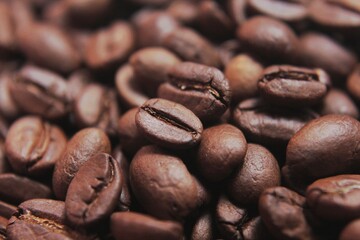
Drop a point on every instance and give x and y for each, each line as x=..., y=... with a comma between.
x=236, y=10
x=77, y=81
x=94, y=191
x=8, y=106
x=185, y=12
x=130, y=225
x=202, y=89
x=3, y=225
x=7, y=32
x=39, y=91
x=221, y=151
x=3, y=128
x=255, y=229
x=79, y=149
x=293, y=86
x=325, y=147
x=16, y=189
x=351, y=231
x=203, y=228
x=164, y=188
x=335, y=198
x=7, y=210
x=33, y=146
x=4, y=165
x=97, y=106
x=259, y=171
x=284, y=214
x=353, y=83
x=168, y=124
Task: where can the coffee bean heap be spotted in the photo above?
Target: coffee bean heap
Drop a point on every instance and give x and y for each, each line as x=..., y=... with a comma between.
x=180, y=119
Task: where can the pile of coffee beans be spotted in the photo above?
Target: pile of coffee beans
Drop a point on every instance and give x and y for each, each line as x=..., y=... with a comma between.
x=180, y=119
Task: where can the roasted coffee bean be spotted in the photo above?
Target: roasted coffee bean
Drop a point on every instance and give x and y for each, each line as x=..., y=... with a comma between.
x=269, y=125
x=288, y=11
x=42, y=219
x=8, y=106
x=335, y=198
x=164, y=188
x=227, y=50
x=255, y=229
x=128, y=89
x=97, y=106
x=7, y=32
x=185, y=12
x=337, y=101
x=221, y=151
x=351, y=231
x=7, y=210
x=236, y=10
x=284, y=214
x=318, y=51
x=4, y=165
x=353, y=83
x=16, y=189
x=33, y=146
x=325, y=147
x=259, y=171
x=293, y=86
x=243, y=73
x=268, y=38
x=94, y=191
x=193, y=47
x=39, y=91
x=3, y=128
x=151, y=66
x=78, y=80
x=131, y=225
x=168, y=124
x=130, y=136
x=203, y=228
x=204, y=194
x=110, y=46
x=3, y=225
x=202, y=89
x=48, y=46
x=83, y=145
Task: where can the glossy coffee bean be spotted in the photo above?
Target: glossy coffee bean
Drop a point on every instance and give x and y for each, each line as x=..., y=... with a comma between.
x=243, y=73
x=202, y=89
x=83, y=145
x=221, y=151
x=168, y=124
x=293, y=86
x=164, y=188
x=353, y=83
x=351, y=231
x=203, y=228
x=259, y=171
x=25, y=189
x=131, y=225
x=49, y=46
x=110, y=46
x=151, y=66
x=39, y=91
x=96, y=106
x=335, y=198
x=94, y=191
x=325, y=147
x=8, y=107
x=269, y=125
x=33, y=146
x=268, y=38
x=283, y=212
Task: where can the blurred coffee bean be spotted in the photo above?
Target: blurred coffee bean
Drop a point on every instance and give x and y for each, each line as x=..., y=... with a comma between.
x=351, y=231
x=353, y=83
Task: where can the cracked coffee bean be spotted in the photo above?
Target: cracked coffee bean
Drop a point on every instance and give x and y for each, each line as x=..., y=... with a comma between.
x=168, y=124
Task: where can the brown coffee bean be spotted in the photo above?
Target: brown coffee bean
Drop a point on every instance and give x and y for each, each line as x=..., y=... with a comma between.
x=164, y=188
x=185, y=12
x=16, y=189
x=110, y=46
x=7, y=32
x=325, y=147
x=7, y=210
x=94, y=191
x=221, y=151
x=3, y=225
x=39, y=91
x=353, y=83
x=79, y=149
x=77, y=81
x=130, y=225
x=202, y=89
x=4, y=164
x=33, y=146
x=293, y=86
x=203, y=228
x=168, y=124
x=335, y=198
x=236, y=10
x=8, y=107
x=259, y=171
x=97, y=106
x=351, y=231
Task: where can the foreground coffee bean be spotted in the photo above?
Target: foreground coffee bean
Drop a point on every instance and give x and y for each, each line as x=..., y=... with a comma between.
x=26, y=189
x=94, y=191
x=168, y=124
x=128, y=226
x=335, y=198
x=221, y=151
x=33, y=146
x=293, y=86
x=39, y=91
x=351, y=231
x=165, y=188
x=325, y=147
x=83, y=145
x=203, y=228
x=202, y=89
